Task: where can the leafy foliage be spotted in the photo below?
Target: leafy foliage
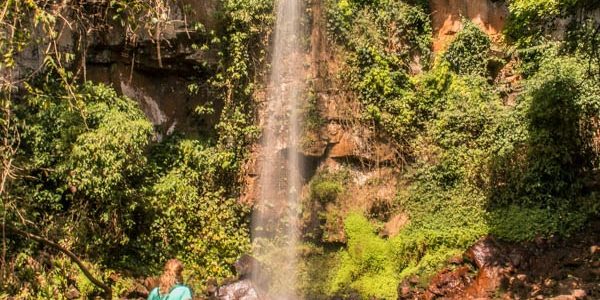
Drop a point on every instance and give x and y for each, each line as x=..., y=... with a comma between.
x=325, y=186
x=468, y=53
x=533, y=25
x=367, y=266
x=91, y=173
x=530, y=19
x=478, y=166
x=242, y=57
x=548, y=167
x=383, y=39
x=394, y=26
x=86, y=157
x=186, y=199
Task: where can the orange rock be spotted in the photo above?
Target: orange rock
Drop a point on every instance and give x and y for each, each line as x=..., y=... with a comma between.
x=447, y=18
x=344, y=148
x=395, y=224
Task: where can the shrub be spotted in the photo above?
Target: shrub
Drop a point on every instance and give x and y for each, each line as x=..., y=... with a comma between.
x=531, y=20
x=326, y=191
x=549, y=164
x=325, y=186
x=519, y=223
x=95, y=149
x=98, y=182
x=186, y=199
x=339, y=15
x=468, y=54
x=538, y=185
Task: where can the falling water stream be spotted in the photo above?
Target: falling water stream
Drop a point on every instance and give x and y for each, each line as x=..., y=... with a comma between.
x=275, y=218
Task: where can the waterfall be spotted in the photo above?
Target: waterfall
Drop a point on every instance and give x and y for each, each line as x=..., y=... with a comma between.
x=275, y=217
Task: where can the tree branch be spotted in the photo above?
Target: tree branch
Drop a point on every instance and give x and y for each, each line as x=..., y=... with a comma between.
x=71, y=255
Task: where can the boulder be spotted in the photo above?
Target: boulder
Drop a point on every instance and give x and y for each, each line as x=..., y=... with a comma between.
x=450, y=281
x=485, y=253
x=239, y=290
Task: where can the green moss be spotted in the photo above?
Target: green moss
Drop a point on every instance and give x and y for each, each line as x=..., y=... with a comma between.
x=367, y=266
x=373, y=266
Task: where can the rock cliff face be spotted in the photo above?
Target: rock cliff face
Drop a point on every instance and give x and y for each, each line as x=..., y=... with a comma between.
x=159, y=81
x=157, y=76
x=447, y=16
x=343, y=144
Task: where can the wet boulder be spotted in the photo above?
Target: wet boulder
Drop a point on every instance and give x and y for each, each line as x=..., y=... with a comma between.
x=248, y=283
x=239, y=290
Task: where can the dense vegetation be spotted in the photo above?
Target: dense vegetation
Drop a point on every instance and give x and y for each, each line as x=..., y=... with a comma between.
x=478, y=164
x=81, y=165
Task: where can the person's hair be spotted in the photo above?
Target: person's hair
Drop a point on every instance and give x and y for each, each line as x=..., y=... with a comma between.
x=170, y=276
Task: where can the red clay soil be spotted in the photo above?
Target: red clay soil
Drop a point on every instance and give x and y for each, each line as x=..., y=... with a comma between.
x=559, y=269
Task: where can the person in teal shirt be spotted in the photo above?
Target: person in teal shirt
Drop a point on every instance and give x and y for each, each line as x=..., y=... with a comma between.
x=170, y=286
